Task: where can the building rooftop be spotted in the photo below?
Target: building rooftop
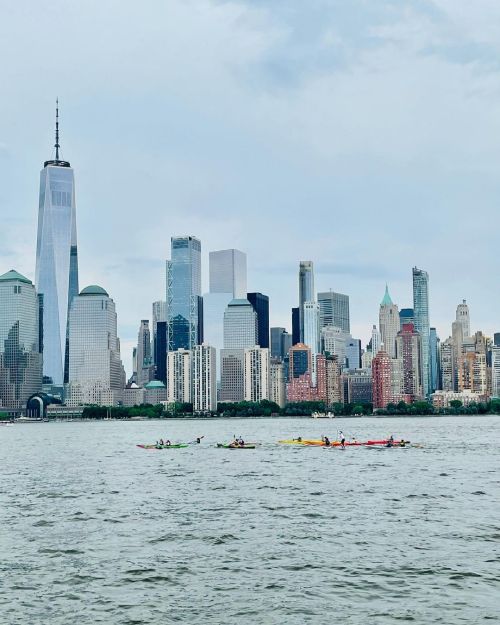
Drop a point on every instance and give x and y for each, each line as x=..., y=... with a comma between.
x=12, y=275
x=155, y=384
x=93, y=289
x=387, y=301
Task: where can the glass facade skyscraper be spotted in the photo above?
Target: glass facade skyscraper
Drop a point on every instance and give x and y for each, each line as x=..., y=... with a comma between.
x=260, y=303
x=422, y=325
x=56, y=260
x=334, y=310
x=184, y=301
x=228, y=272
x=96, y=374
x=20, y=357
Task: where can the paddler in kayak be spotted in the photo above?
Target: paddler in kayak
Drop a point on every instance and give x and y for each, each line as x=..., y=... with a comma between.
x=326, y=440
x=342, y=440
x=390, y=441
x=402, y=443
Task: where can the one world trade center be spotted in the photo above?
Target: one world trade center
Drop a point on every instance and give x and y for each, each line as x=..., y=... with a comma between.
x=56, y=260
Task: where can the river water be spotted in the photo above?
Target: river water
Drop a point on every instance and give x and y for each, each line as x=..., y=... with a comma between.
x=96, y=530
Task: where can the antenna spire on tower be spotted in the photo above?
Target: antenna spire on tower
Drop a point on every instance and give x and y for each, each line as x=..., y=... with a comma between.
x=57, y=146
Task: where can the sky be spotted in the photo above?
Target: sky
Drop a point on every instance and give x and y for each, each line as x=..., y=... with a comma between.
x=361, y=134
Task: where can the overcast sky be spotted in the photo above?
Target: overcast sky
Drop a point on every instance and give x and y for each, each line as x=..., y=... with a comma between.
x=361, y=134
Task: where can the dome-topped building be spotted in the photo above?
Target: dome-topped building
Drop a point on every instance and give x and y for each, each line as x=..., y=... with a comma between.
x=94, y=289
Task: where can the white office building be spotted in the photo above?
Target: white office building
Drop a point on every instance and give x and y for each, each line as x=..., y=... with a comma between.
x=204, y=378
x=256, y=373
x=179, y=376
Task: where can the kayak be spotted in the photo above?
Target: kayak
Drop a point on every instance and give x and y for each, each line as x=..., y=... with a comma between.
x=230, y=446
x=177, y=446
x=319, y=443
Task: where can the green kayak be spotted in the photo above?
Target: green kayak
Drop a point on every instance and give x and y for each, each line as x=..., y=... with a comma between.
x=231, y=446
x=177, y=446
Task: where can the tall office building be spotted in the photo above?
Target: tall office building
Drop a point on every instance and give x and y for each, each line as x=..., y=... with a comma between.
x=333, y=342
x=295, y=325
x=463, y=317
x=159, y=313
x=409, y=349
x=300, y=361
x=228, y=273
x=204, y=378
x=260, y=303
x=406, y=315
x=306, y=290
x=179, y=376
x=434, y=359
x=496, y=339
x=56, y=260
x=160, y=353
x=240, y=333
x=143, y=354
x=277, y=342
x=334, y=310
x=376, y=341
x=96, y=374
x=228, y=280
x=256, y=373
x=389, y=323
x=353, y=353
x=334, y=385
x=422, y=324
x=20, y=349
x=184, y=301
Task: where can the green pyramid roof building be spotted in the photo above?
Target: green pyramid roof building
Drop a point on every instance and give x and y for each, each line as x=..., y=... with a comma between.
x=387, y=301
x=14, y=275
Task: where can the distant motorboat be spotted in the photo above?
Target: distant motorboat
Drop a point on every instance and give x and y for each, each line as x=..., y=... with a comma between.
x=323, y=415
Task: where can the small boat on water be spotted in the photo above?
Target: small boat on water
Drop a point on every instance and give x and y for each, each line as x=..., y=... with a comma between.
x=173, y=446
x=236, y=446
x=323, y=415
x=304, y=442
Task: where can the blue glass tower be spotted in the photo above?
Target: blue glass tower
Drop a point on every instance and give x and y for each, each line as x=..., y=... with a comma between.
x=56, y=260
x=184, y=301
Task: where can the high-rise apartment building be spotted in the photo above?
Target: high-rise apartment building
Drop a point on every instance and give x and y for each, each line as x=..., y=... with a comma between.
x=300, y=361
x=143, y=354
x=204, y=378
x=277, y=383
x=409, y=349
x=495, y=371
x=96, y=374
x=184, y=301
x=448, y=364
x=257, y=373
x=434, y=359
x=422, y=324
x=20, y=349
x=376, y=340
x=334, y=310
x=381, y=377
x=56, y=260
x=306, y=290
x=228, y=273
x=179, y=376
x=389, y=323
x=260, y=303
x=334, y=386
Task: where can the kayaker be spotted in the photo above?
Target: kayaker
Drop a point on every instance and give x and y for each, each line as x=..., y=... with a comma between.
x=167, y=443
x=402, y=443
x=198, y=439
x=326, y=441
x=161, y=441
x=342, y=439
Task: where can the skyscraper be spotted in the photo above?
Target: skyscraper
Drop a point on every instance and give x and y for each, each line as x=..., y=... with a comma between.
x=409, y=348
x=256, y=373
x=376, y=341
x=240, y=333
x=434, y=359
x=160, y=355
x=96, y=374
x=306, y=290
x=277, y=387
x=228, y=273
x=20, y=353
x=295, y=325
x=389, y=323
x=381, y=376
x=463, y=318
x=260, y=303
x=422, y=325
x=334, y=310
x=143, y=354
x=159, y=313
x=184, y=302
x=179, y=376
x=353, y=353
x=204, y=380
x=56, y=259
x=406, y=315
x=495, y=371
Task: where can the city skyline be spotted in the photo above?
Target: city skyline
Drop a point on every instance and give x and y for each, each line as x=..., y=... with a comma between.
x=329, y=145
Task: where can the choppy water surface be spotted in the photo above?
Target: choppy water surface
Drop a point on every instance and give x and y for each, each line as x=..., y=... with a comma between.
x=95, y=530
